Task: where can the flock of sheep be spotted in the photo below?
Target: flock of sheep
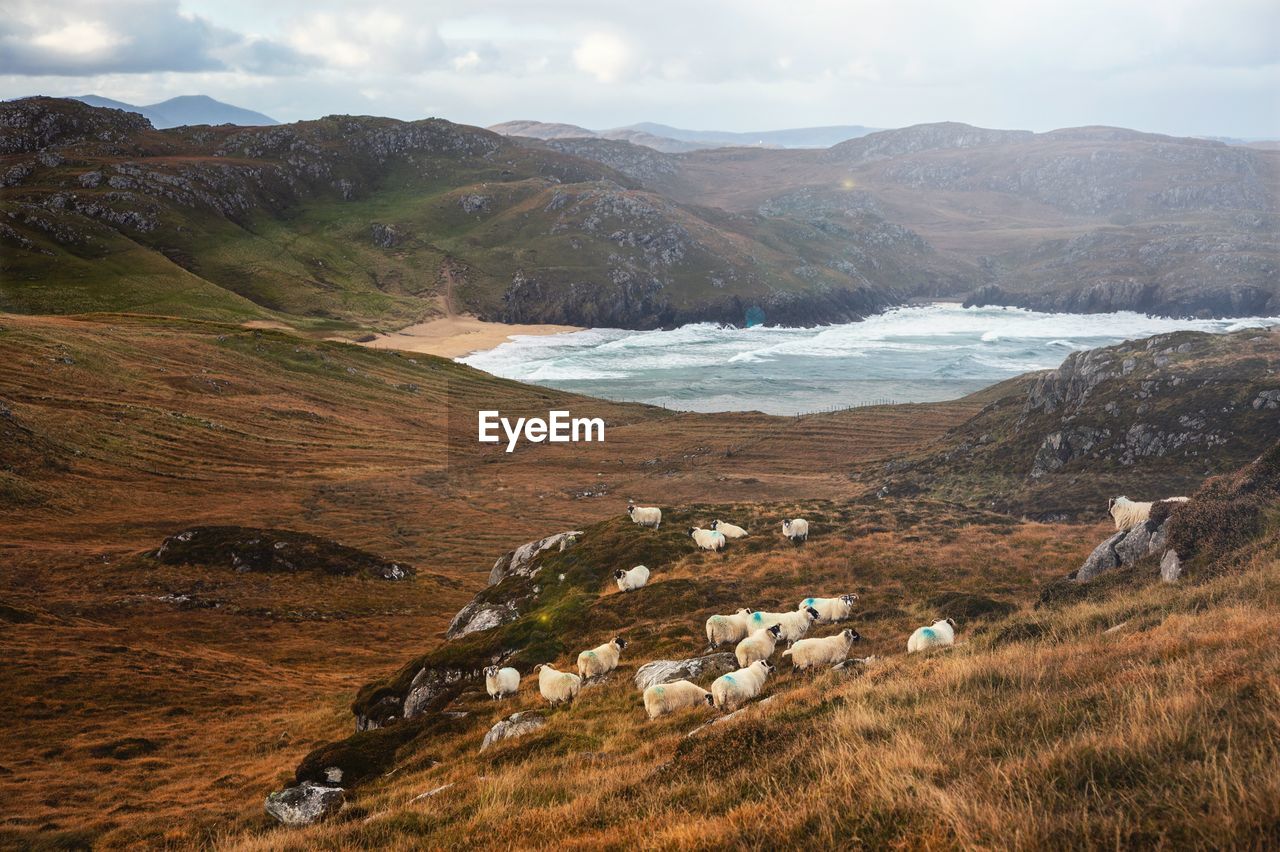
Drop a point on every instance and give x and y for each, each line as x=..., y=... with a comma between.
x=755, y=636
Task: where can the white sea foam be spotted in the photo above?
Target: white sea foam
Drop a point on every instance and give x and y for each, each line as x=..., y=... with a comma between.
x=906, y=355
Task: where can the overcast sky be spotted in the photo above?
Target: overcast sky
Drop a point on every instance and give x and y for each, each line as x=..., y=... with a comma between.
x=1202, y=67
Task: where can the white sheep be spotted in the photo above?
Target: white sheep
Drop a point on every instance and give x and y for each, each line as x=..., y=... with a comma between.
x=796, y=530
x=501, y=682
x=557, y=686
x=629, y=581
x=831, y=610
x=937, y=635
x=738, y=687
x=707, y=539
x=728, y=530
x=662, y=698
x=601, y=660
x=794, y=624
x=728, y=629
x=826, y=651
x=758, y=646
x=645, y=516
x=1129, y=513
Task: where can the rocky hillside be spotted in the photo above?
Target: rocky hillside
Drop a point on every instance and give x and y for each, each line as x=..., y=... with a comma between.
x=1148, y=419
x=356, y=221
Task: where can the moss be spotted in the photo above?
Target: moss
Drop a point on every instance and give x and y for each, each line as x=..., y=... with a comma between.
x=547, y=744
x=368, y=754
x=969, y=606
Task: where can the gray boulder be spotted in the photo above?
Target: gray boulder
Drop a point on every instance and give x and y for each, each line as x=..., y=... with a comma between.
x=1124, y=548
x=1170, y=566
x=666, y=671
x=305, y=804
x=477, y=616
x=1103, y=558
x=426, y=686
x=519, y=561
x=515, y=725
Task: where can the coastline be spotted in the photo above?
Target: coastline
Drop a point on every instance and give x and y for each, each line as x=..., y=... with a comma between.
x=458, y=336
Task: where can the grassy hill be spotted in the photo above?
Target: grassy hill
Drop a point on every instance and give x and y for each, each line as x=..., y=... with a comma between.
x=359, y=222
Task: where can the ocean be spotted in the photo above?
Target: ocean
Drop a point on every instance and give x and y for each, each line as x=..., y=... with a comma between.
x=911, y=354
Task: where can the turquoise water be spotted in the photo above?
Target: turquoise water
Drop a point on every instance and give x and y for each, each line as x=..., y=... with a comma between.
x=919, y=354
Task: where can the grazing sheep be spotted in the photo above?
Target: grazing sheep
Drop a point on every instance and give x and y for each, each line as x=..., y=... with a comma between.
x=737, y=687
x=822, y=652
x=797, y=530
x=601, y=660
x=501, y=682
x=645, y=516
x=557, y=686
x=662, y=698
x=1129, y=513
x=831, y=610
x=707, y=539
x=728, y=530
x=937, y=635
x=728, y=629
x=757, y=646
x=629, y=581
x=794, y=624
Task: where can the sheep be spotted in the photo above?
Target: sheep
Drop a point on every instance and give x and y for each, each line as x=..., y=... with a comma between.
x=738, y=687
x=937, y=635
x=728, y=629
x=794, y=624
x=757, y=646
x=662, y=698
x=601, y=660
x=501, y=682
x=1129, y=513
x=629, y=581
x=822, y=652
x=728, y=530
x=707, y=539
x=645, y=516
x=557, y=686
x=796, y=530
x=831, y=610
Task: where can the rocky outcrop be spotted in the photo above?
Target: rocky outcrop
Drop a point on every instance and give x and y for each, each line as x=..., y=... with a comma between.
x=515, y=725
x=519, y=562
x=1127, y=547
x=694, y=668
x=304, y=804
x=253, y=550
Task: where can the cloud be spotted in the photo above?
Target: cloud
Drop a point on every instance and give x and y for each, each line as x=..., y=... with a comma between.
x=81, y=37
x=604, y=56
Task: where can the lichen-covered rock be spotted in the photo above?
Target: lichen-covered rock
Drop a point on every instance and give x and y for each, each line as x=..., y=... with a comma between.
x=304, y=804
x=519, y=562
x=694, y=668
x=428, y=685
x=515, y=725
x=1170, y=566
x=477, y=616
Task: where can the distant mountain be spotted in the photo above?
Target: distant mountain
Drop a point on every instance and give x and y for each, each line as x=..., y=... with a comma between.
x=551, y=130
x=184, y=110
x=799, y=137
x=675, y=140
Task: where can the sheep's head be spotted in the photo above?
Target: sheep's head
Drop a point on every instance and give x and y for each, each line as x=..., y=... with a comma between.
x=711, y=699
x=813, y=613
x=619, y=574
x=950, y=622
x=538, y=667
x=630, y=508
x=715, y=523
x=786, y=525
x=848, y=598
x=744, y=611
x=491, y=671
x=776, y=630
x=692, y=530
x=768, y=666
x=851, y=636
x=620, y=642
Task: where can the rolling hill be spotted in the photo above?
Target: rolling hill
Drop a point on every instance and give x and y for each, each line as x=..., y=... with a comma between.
x=352, y=222
x=185, y=109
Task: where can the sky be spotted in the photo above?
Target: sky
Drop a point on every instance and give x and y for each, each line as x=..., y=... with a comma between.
x=1187, y=67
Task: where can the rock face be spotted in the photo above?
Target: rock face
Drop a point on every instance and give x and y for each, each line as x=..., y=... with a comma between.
x=426, y=686
x=666, y=671
x=478, y=615
x=305, y=804
x=250, y=550
x=515, y=725
x=518, y=561
x=1127, y=547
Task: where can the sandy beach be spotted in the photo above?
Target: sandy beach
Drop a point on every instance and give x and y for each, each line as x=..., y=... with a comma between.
x=453, y=337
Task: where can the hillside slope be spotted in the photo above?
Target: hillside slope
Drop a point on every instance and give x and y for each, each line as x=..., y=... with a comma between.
x=370, y=222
